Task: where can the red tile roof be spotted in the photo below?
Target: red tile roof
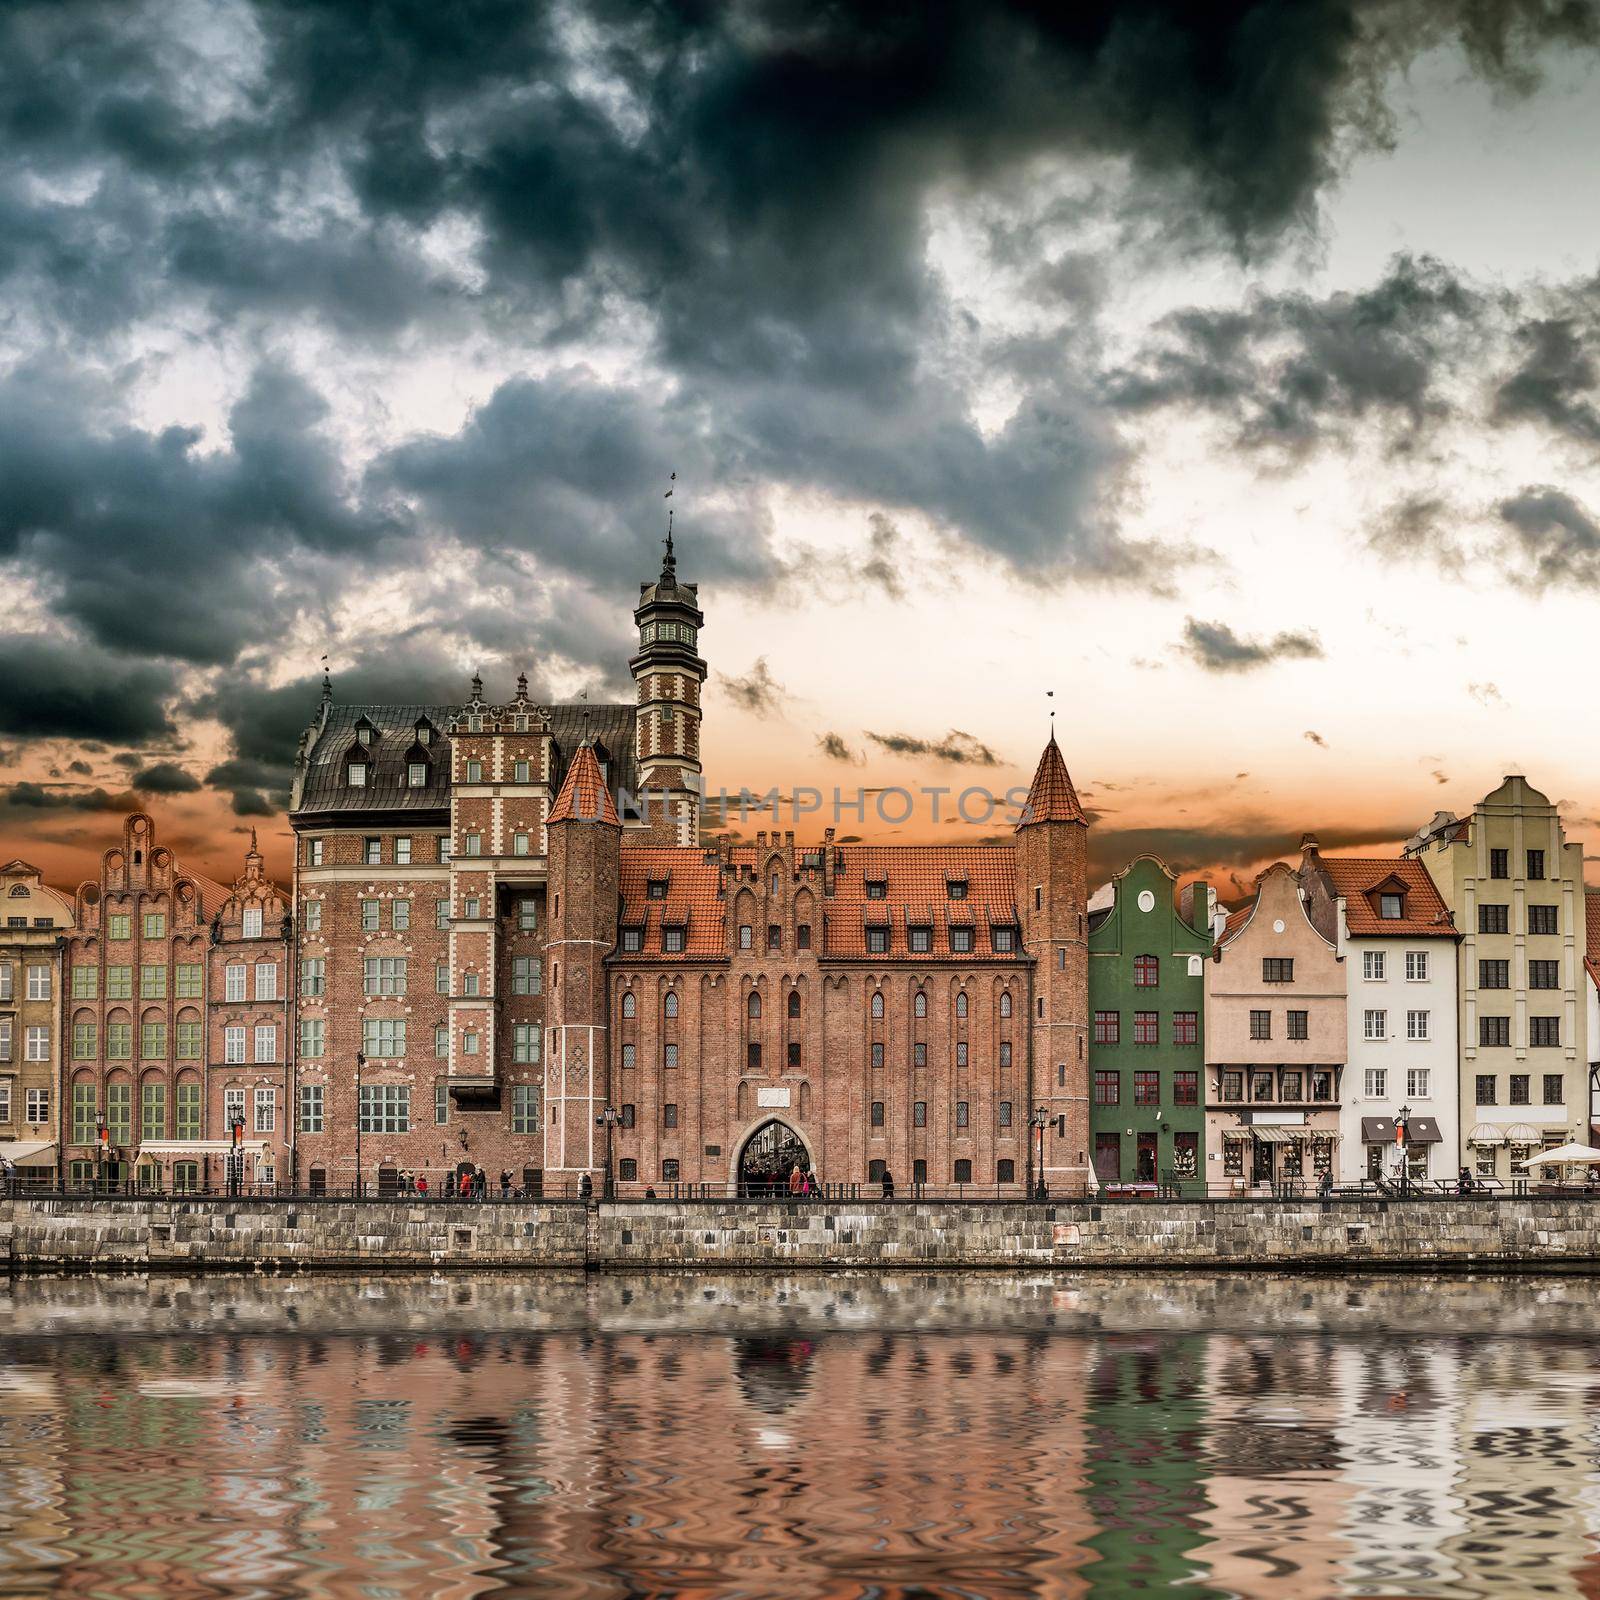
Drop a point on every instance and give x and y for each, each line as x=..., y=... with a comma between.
x=1052, y=797
x=916, y=880
x=1591, y=928
x=584, y=796
x=1358, y=880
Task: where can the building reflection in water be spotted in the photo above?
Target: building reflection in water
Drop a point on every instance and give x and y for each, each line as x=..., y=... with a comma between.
x=812, y=1462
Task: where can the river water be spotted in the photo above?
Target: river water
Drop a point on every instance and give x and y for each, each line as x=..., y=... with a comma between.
x=800, y=1436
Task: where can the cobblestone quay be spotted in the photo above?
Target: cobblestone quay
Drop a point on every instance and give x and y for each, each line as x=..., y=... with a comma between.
x=1548, y=1233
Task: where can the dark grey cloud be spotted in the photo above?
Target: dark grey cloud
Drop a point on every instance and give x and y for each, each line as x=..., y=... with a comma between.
x=1288, y=370
x=164, y=777
x=956, y=748
x=757, y=692
x=60, y=689
x=1217, y=648
x=1557, y=381
x=30, y=796
x=1246, y=843
x=835, y=747
x=1551, y=539
x=82, y=768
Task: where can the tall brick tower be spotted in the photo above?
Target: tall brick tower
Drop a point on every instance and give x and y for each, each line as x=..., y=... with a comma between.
x=585, y=839
x=669, y=673
x=1053, y=894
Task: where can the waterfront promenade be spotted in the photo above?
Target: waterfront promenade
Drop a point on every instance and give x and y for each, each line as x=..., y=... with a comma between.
x=186, y=1233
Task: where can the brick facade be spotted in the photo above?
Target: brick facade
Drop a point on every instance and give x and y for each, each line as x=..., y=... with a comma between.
x=34, y=922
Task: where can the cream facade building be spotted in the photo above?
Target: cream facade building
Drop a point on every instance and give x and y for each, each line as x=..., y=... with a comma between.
x=1514, y=883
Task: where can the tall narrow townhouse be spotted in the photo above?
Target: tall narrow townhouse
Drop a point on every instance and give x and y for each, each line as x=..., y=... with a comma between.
x=1275, y=1042
x=1591, y=989
x=1391, y=928
x=1514, y=884
x=37, y=921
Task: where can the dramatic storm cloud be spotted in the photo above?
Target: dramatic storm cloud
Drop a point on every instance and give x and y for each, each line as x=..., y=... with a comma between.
x=1217, y=648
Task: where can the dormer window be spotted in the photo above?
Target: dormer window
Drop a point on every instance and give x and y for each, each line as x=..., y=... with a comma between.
x=424, y=733
x=356, y=775
x=1391, y=907
x=656, y=888
x=956, y=888
x=364, y=732
x=417, y=774
x=877, y=888
x=919, y=939
x=1004, y=940
x=672, y=939
x=475, y=722
x=519, y=722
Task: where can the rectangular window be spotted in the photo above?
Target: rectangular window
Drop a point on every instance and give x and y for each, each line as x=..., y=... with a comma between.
x=1290, y=1083
x=1004, y=940
x=1418, y=1024
x=1260, y=1024
x=519, y=844
x=153, y=1111
x=632, y=939
x=919, y=940
x=266, y=980
x=472, y=845
x=1416, y=966
x=802, y=936
x=527, y=915
x=672, y=940
x=1186, y=1088
x=1554, y=1089
x=919, y=1113
x=525, y=975
x=153, y=1041
x=311, y=916
x=919, y=1054
x=119, y=925
x=441, y=1102
x=441, y=977
x=1494, y=919
x=266, y=1042
x=524, y=1108
x=1146, y=1027
x=1005, y=1052
x=961, y=1052
x=188, y=1111
x=313, y=852
x=385, y=1108
x=877, y=888
x=188, y=980
x=250, y=922
x=1005, y=1113
x=5, y=1037
x=311, y=1037
x=445, y=849
x=1375, y=1024
x=1494, y=974
x=961, y=1113
x=402, y=851
x=1186, y=1027
x=1536, y=864
x=669, y=1055
x=36, y=1043
x=1373, y=965
x=441, y=913
x=1484, y=1093
x=85, y=1113
x=1107, y=1087
x=877, y=941
x=1233, y=1085
x=119, y=983
x=1391, y=907
x=1543, y=919
x=119, y=1112
x=38, y=1105
x=1544, y=974
x=384, y=975
x=1499, y=863
x=961, y=941
x=189, y=1040
x=441, y=1040
x=1147, y=1088
x=1494, y=1031
x=1277, y=969
x=155, y=925
x=1519, y=1089
x=669, y=1115
x=356, y=774
x=400, y=915
x=417, y=774
x=383, y=1037
x=474, y=772
x=39, y=982
x=235, y=982
x=627, y=1057
x=152, y=983
x=233, y=1045
x=1262, y=1087
x=1107, y=1027
x=85, y=983
x=877, y=1055
x=313, y=977
x=469, y=1042
x=371, y=913
x=525, y=1041
x=312, y=1112
x=519, y=771
x=1544, y=1032
x=1375, y=1083
x=752, y=1056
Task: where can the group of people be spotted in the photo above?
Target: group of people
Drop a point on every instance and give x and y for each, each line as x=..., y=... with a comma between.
x=467, y=1183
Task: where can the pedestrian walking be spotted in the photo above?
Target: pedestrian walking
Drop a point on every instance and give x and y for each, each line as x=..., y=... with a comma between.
x=505, y=1183
x=585, y=1187
x=422, y=1185
x=888, y=1184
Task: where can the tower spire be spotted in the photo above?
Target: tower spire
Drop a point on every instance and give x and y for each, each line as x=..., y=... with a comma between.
x=669, y=563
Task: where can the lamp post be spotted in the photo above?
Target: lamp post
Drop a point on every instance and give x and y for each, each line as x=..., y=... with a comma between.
x=1402, y=1138
x=1036, y=1126
x=608, y=1119
x=361, y=1061
x=236, y=1154
x=102, y=1137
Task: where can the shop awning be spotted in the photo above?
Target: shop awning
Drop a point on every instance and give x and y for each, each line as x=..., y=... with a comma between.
x=1273, y=1135
x=29, y=1152
x=1526, y=1133
x=199, y=1147
x=1419, y=1130
x=1487, y=1133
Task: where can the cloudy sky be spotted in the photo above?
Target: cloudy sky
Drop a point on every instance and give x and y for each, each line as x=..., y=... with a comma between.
x=1237, y=379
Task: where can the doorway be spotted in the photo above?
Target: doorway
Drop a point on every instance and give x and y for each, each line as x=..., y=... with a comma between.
x=770, y=1154
x=1145, y=1169
x=1262, y=1164
x=1108, y=1157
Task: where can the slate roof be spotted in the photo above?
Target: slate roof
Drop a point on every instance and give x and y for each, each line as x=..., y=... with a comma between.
x=1051, y=798
x=1356, y=880
x=324, y=789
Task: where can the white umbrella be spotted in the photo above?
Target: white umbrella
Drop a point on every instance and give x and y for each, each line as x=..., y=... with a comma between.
x=1564, y=1153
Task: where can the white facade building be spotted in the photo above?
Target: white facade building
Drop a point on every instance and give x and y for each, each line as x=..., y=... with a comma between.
x=1395, y=934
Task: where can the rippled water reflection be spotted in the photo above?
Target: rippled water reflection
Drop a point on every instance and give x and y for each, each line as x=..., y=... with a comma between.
x=943, y=1437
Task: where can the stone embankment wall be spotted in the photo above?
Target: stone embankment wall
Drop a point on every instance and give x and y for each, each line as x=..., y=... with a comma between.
x=108, y=1234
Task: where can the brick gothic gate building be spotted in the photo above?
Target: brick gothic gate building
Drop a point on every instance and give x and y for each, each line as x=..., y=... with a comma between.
x=495, y=940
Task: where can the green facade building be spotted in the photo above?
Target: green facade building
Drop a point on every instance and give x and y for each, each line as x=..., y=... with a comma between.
x=1147, y=966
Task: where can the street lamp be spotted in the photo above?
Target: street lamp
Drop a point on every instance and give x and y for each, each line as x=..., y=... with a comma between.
x=361, y=1061
x=608, y=1119
x=1036, y=1124
x=1402, y=1138
x=236, y=1154
x=102, y=1136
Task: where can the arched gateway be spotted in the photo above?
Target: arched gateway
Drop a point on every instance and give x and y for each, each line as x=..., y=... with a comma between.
x=770, y=1154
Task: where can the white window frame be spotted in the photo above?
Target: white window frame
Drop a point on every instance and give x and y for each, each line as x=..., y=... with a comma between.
x=1375, y=1083
x=233, y=1046
x=36, y=1043
x=1374, y=968
x=1419, y=1025
x=235, y=984
x=266, y=980
x=38, y=1103
x=1375, y=1025
x=250, y=922
x=38, y=982
x=265, y=1041
x=402, y=850
x=1418, y=1081
x=312, y=919
x=266, y=1109
x=1416, y=966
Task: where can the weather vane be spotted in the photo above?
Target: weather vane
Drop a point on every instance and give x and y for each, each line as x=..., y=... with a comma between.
x=673, y=483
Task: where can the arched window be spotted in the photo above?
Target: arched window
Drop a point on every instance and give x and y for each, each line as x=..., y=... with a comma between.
x=1005, y=1002
x=961, y=1005
x=1146, y=972
x=629, y=1005
x=754, y=1006
x=670, y=1005
x=920, y=1005
x=877, y=1002
x=794, y=1002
